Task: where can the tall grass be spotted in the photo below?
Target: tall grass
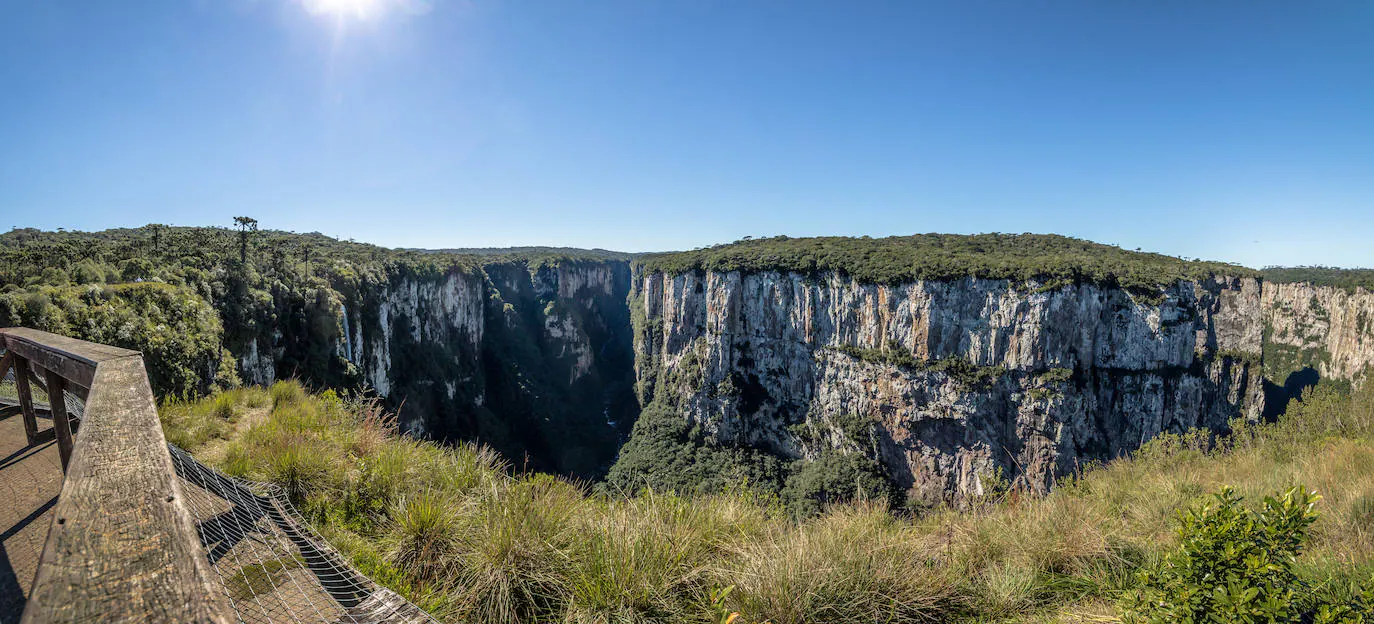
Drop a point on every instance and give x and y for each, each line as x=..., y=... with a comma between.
x=856, y=563
x=190, y=424
x=452, y=529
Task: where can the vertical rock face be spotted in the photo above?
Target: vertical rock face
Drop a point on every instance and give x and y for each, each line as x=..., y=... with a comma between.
x=964, y=380
x=1330, y=329
x=442, y=317
x=534, y=360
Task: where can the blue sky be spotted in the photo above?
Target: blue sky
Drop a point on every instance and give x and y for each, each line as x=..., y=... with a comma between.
x=1239, y=131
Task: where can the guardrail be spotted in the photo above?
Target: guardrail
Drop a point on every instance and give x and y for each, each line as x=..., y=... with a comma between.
x=122, y=545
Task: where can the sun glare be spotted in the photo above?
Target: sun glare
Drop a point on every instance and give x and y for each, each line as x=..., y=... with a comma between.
x=361, y=9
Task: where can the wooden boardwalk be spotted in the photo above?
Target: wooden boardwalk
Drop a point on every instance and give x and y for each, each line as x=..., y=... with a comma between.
x=30, y=479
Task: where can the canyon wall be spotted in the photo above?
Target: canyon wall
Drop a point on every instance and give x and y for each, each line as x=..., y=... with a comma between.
x=951, y=386
x=533, y=359
x=948, y=386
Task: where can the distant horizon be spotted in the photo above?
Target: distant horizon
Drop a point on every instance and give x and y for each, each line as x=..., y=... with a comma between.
x=556, y=247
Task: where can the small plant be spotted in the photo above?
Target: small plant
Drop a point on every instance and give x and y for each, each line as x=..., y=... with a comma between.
x=722, y=613
x=1233, y=564
x=298, y=468
x=423, y=535
x=286, y=393
x=1360, y=610
x=224, y=405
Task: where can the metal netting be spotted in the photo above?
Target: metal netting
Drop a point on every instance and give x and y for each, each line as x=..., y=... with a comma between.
x=272, y=566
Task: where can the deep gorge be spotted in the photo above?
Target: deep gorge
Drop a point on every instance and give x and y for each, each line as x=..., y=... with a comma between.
x=533, y=360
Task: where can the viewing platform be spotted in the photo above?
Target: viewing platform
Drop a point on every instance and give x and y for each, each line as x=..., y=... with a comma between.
x=103, y=521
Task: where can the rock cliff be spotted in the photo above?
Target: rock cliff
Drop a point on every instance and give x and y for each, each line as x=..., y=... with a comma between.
x=954, y=386
x=530, y=357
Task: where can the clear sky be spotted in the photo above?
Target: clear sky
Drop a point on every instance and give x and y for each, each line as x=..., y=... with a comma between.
x=1239, y=131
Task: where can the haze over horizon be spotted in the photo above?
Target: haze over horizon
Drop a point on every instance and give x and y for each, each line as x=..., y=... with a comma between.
x=1233, y=132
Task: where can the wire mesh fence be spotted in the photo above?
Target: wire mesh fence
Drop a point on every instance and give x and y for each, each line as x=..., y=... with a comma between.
x=271, y=565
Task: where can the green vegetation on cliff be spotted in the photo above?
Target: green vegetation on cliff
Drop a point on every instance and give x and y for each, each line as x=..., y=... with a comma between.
x=260, y=283
x=172, y=325
x=957, y=368
x=897, y=259
x=1345, y=279
x=454, y=530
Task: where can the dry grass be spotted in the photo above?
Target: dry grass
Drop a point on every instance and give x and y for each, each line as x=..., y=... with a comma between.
x=452, y=529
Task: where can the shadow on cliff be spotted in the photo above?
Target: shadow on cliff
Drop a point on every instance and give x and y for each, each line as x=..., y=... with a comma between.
x=1276, y=397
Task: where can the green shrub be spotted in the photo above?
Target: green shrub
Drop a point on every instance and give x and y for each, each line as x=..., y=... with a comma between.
x=177, y=331
x=835, y=478
x=224, y=405
x=511, y=562
x=1358, y=610
x=1232, y=565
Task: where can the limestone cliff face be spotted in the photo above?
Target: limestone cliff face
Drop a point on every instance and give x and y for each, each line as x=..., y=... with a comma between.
x=533, y=360
x=410, y=313
x=1049, y=378
x=1330, y=329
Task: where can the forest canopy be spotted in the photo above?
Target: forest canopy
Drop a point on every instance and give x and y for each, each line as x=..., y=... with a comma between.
x=1346, y=279
x=897, y=259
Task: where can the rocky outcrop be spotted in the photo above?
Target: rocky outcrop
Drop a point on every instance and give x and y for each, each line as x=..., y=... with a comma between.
x=958, y=382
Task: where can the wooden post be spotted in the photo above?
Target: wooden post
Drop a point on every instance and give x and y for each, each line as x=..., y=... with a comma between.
x=61, y=425
x=21, y=383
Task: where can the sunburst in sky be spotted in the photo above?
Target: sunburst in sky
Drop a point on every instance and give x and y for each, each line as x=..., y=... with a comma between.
x=364, y=9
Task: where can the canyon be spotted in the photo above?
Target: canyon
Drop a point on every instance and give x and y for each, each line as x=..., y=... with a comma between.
x=934, y=367
x=539, y=361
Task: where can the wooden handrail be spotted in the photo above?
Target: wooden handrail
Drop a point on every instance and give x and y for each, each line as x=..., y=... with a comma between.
x=122, y=545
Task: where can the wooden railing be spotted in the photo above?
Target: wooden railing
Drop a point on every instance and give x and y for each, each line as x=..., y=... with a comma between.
x=122, y=545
